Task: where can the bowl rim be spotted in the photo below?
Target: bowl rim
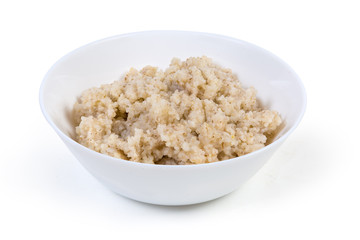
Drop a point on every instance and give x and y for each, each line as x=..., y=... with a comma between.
x=205, y=34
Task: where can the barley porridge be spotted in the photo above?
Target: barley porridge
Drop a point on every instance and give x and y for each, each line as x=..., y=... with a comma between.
x=193, y=112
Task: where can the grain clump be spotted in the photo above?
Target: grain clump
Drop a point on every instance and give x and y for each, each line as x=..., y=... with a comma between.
x=193, y=112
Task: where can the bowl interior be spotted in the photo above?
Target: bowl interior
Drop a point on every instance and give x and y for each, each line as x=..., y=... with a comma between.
x=107, y=60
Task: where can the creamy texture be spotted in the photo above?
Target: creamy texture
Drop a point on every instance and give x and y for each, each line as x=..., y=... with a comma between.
x=193, y=112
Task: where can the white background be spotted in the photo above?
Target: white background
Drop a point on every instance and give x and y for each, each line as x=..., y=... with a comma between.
x=308, y=190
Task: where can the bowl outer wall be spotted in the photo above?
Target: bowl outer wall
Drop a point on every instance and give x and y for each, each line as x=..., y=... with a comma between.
x=171, y=185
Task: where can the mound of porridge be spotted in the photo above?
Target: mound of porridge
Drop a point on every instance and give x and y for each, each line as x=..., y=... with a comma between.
x=193, y=112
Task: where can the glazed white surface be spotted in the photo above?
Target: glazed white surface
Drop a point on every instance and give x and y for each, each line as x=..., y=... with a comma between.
x=103, y=61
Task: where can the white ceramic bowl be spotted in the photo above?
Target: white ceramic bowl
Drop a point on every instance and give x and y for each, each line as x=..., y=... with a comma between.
x=104, y=61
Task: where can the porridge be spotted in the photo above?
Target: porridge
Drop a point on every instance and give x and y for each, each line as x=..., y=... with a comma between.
x=193, y=112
